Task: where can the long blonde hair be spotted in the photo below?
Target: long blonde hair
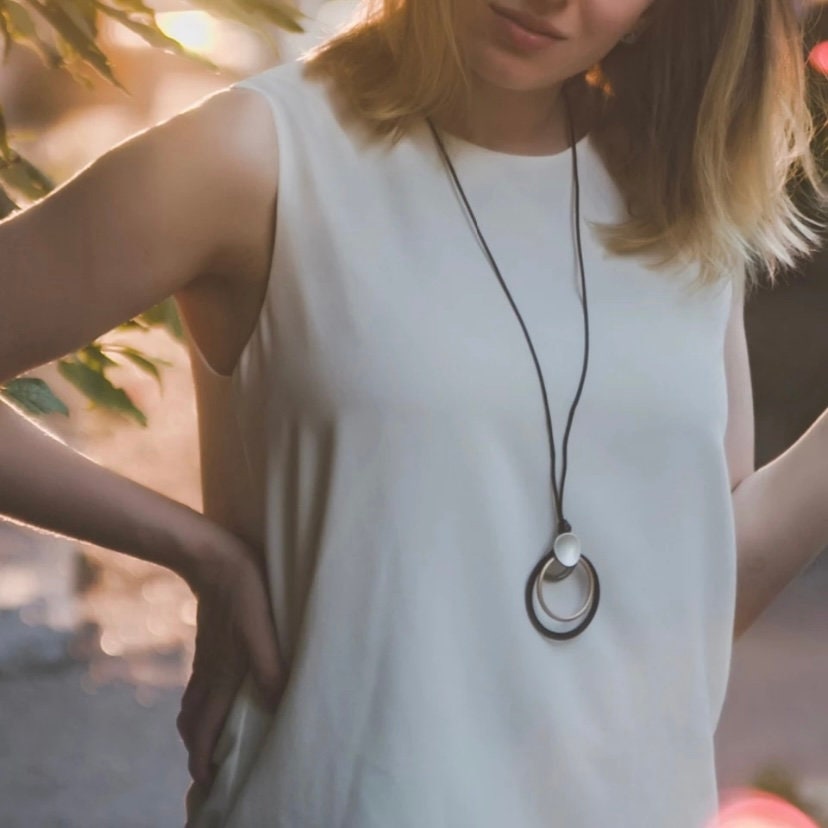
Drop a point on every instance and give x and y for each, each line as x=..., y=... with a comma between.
x=703, y=122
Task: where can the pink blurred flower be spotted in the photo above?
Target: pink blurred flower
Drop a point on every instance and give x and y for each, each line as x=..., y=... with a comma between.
x=748, y=808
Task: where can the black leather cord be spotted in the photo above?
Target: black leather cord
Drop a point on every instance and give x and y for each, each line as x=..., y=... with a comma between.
x=563, y=524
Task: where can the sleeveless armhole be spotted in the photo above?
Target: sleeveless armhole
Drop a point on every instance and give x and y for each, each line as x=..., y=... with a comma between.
x=263, y=312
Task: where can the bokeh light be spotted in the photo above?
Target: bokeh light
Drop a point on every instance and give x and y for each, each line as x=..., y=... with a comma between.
x=195, y=30
x=747, y=808
x=818, y=58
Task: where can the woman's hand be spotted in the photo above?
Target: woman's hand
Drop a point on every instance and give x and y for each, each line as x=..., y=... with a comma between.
x=235, y=633
x=46, y=484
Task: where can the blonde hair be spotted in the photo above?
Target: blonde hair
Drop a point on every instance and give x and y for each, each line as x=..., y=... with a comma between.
x=703, y=122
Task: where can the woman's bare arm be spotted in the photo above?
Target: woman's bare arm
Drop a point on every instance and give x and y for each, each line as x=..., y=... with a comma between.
x=187, y=201
x=45, y=483
x=184, y=201
x=187, y=205
x=780, y=514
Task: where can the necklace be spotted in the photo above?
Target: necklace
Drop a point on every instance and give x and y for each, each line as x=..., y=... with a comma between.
x=565, y=556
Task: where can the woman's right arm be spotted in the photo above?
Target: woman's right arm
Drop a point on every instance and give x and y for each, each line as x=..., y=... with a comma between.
x=179, y=204
x=176, y=206
x=47, y=484
x=186, y=203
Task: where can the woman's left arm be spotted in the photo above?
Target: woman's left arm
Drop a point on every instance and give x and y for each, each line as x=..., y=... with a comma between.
x=781, y=509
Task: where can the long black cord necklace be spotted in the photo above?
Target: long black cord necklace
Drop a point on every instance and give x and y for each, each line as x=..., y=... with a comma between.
x=565, y=555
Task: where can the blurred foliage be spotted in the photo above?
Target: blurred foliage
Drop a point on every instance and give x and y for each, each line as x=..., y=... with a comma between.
x=776, y=779
x=65, y=35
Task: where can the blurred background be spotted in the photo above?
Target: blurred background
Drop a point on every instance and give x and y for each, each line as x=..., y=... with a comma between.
x=95, y=647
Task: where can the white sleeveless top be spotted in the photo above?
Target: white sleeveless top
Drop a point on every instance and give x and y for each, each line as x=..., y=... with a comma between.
x=383, y=438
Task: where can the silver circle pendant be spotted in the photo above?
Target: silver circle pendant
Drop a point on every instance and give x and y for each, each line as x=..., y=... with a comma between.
x=562, y=561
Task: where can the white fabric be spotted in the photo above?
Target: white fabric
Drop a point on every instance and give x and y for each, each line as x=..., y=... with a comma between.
x=397, y=464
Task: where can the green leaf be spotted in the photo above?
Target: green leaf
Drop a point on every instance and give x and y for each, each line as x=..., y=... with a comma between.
x=98, y=389
x=136, y=6
x=132, y=325
x=165, y=314
x=95, y=358
x=144, y=364
x=5, y=150
x=7, y=206
x=34, y=396
x=150, y=366
x=21, y=175
x=22, y=29
x=19, y=20
x=83, y=15
x=7, y=36
x=74, y=39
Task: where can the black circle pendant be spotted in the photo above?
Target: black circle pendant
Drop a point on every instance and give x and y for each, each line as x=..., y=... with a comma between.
x=563, y=572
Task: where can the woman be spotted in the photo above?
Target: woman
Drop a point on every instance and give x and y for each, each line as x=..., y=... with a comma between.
x=367, y=400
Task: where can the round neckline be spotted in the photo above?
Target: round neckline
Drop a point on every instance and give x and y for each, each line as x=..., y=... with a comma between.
x=470, y=148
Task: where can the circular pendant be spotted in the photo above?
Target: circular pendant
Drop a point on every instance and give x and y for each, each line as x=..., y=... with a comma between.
x=563, y=560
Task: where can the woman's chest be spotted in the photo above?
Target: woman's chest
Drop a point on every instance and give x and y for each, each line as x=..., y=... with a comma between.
x=399, y=311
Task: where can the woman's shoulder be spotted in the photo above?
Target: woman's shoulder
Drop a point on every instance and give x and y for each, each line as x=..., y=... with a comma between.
x=234, y=133
x=291, y=80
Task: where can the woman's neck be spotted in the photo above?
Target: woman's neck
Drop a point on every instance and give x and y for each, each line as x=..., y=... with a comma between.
x=532, y=123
